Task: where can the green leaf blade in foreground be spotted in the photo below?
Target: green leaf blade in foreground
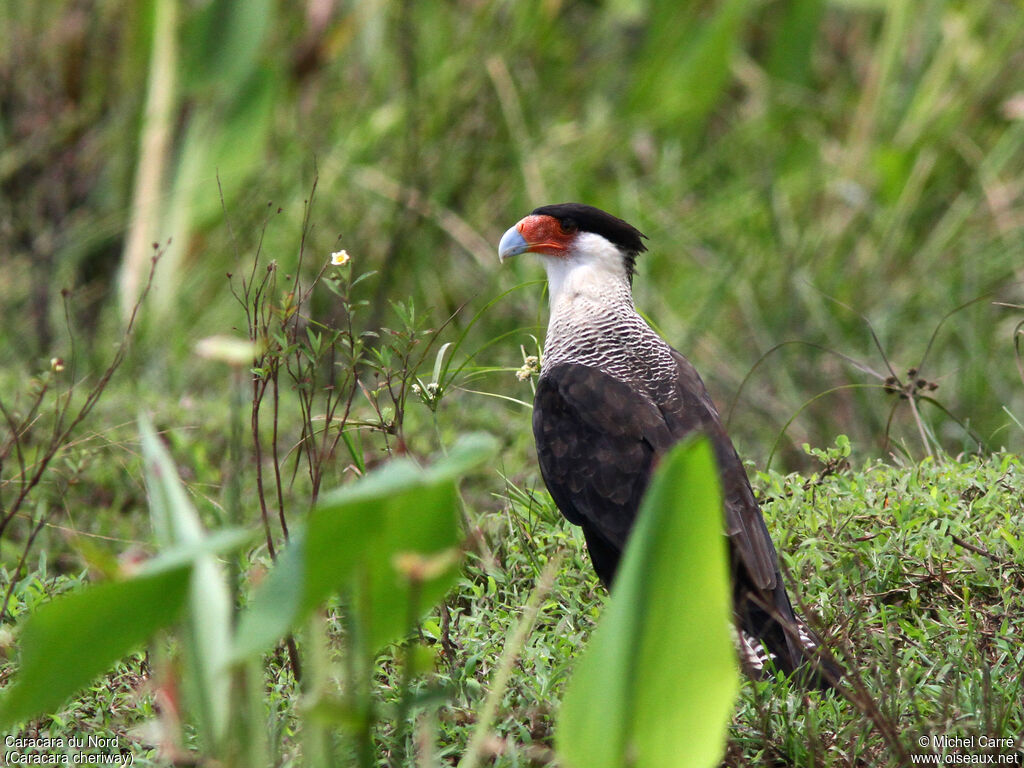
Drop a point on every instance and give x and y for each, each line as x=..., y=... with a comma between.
x=208, y=638
x=655, y=687
x=356, y=542
x=69, y=642
x=420, y=521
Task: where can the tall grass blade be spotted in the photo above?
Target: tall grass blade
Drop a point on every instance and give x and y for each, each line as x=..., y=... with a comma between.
x=685, y=68
x=154, y=149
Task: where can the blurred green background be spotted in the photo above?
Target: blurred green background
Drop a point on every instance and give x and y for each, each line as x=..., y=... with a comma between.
x=800, y=167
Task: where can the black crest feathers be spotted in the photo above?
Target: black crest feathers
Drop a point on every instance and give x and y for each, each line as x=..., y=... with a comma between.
x=587, y=218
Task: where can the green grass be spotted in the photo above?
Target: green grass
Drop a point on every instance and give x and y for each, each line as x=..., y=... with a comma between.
x=927, y=625
x=856, y=152
x=828, y=187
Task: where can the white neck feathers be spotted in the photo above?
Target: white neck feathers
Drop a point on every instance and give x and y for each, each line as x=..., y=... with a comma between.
x=594, y=323
x=591, y=277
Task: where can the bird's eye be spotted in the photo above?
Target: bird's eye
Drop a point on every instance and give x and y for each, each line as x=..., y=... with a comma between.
x=568, y=226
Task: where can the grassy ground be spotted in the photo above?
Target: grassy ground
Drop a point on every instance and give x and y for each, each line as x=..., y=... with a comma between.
x=913, y=573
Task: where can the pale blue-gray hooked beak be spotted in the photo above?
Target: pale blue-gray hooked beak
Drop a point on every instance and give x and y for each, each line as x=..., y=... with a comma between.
x=512, y=244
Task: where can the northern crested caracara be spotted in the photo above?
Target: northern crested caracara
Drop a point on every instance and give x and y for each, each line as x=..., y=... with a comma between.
x=613, y=397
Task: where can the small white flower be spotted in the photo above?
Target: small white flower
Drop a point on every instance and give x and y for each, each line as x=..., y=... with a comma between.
x=339, y=258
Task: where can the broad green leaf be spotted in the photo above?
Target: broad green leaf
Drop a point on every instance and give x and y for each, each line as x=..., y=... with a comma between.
x=656, y=684
x=67, y=643
x=210, y=605
x=362, y=541
x=388, y=542
x=469, y=453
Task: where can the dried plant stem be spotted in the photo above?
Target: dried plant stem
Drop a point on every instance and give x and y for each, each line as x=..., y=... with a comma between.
x=61, y=432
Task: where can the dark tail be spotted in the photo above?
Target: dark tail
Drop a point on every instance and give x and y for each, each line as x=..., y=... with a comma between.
x=772, y=637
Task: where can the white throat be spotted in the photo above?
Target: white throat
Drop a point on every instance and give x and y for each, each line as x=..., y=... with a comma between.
x=590, y=278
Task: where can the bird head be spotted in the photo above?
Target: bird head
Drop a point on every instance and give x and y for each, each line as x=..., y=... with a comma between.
x=573, y=232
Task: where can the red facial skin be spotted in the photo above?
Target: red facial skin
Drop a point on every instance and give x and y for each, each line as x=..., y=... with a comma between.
x=545, y=235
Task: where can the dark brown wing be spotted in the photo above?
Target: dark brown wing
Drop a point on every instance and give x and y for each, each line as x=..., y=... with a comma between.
x=749, y=539
x=761, y=604
x=598, y=440
x=596, y=443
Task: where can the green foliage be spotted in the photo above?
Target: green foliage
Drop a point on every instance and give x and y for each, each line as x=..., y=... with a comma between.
x=793, y=44
x=832, y=459
x=657, y=682
x=920, y=585
x=68, y=642
x=389, y=543
x=683, y=71
x=777, y=155
x=397, y=527
x=801, y=167
x=224, y=41
x=928, y=624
